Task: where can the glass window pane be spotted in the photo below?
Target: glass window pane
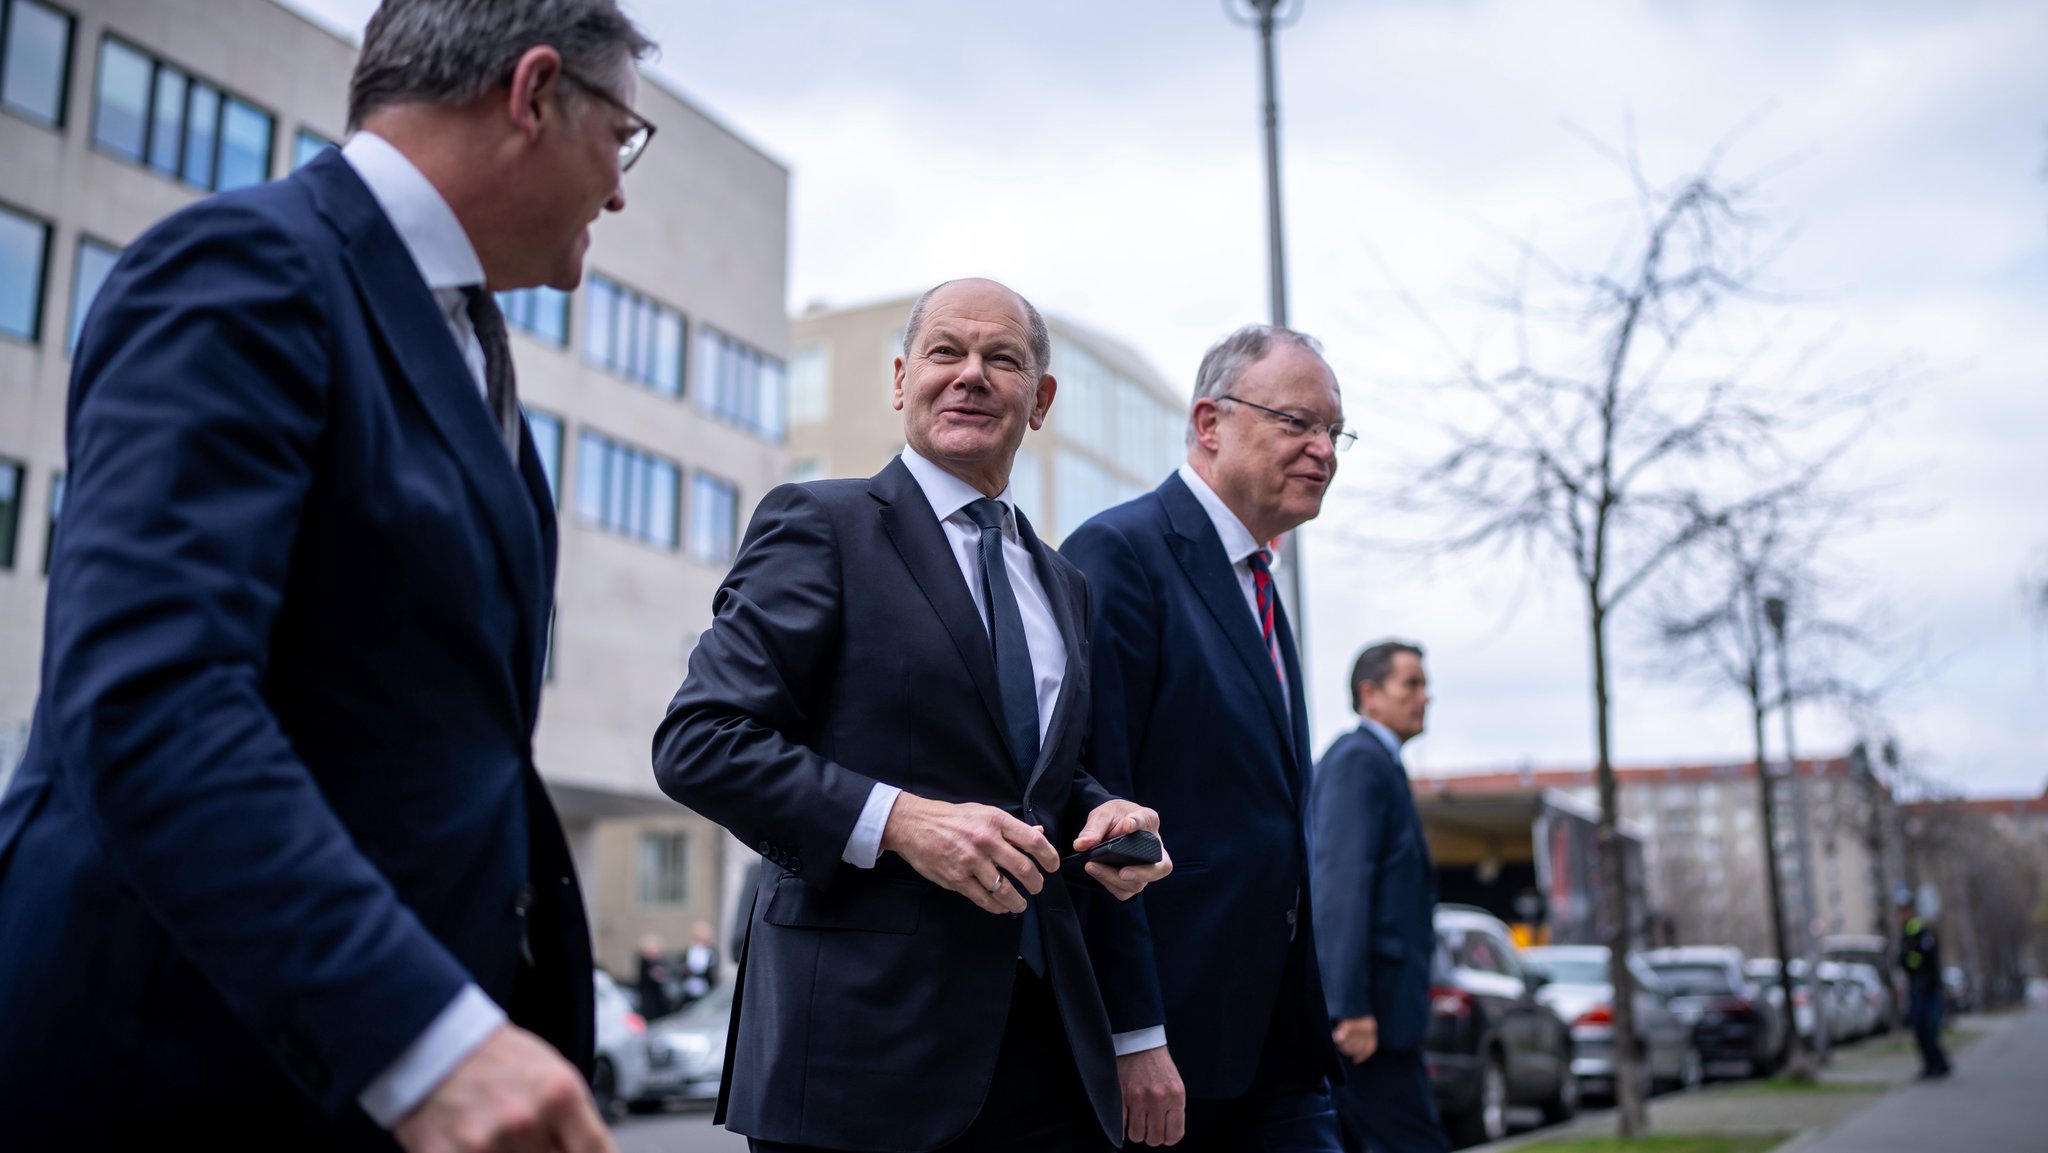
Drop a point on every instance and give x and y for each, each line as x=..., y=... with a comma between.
x=590, y=460
x=120, y=115
x=551, y=315
x=167, y=120
x=36, y=59
x=202, y=127
x=306, y=146
x=23, y=244
x=95, y=260
x=661, y=504
x=56, y=507
x=244, y=145
x=10, y=511
x=668, y=353
x=547, y=443
x=597, y=321
x=772, y=403
x=707, y=369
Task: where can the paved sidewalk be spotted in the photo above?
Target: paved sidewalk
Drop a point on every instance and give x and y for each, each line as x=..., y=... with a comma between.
x=1995, y=1102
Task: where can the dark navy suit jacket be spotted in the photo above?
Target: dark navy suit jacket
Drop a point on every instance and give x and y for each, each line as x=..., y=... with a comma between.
x=1375, y=891
x=1191, y=720
x=845, y=649
x=279, y=803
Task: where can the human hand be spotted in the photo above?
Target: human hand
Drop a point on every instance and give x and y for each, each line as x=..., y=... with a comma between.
x=1113, y=819
x=1155, y=1101
x=1357, y=1038
x=512, y=1094
x=968, y=849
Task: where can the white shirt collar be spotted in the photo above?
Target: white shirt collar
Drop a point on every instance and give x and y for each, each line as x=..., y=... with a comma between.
x=949, y=494
x=1238, y=542
x=427, y=226
x=1385, y=734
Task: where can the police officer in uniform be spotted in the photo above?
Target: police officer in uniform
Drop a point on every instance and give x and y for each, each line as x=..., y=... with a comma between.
x=1920, y=957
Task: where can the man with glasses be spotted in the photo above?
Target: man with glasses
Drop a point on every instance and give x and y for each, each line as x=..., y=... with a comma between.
x=1214, y=998
x=277, y=871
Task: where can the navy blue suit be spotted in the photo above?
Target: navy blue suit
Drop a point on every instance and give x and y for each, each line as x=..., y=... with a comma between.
x=1192, y=721
x=1375, y=898
x=872, y=1006
x=279, y=803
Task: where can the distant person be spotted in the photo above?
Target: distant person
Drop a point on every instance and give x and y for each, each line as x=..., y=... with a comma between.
x=277, y=871
x=699, y=963
x=890, y=706
x=1200, y=713
x=1920, y=957
x=656, y=976
x=1375, y=895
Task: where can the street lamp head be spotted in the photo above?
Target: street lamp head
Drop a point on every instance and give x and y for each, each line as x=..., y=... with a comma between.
x=1254, y=12
x=1774, y=612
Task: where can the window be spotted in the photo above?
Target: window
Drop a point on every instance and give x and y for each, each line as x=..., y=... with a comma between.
x=156, y=114
x=664, y=868
x=35, y=60
x=24, y=256
x=56, y=507
x=806, y=469
x=547, y=442
x=95, y=260
x=810, y=384
x=306, y=146
x=625, y=490
x=10, y=511
x=714, y=518
x=1027, y=485
x=1081, y=488
x=541, y=312
x=740, y=384
x=633, y=336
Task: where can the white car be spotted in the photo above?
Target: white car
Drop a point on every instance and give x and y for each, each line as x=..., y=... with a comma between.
x=686, y=1052
x=619, y=1074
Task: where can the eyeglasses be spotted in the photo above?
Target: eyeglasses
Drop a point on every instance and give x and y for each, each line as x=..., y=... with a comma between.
x=643, y=130
x=1341, y=438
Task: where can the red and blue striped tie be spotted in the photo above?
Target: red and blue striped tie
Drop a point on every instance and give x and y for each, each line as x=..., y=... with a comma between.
x=1262, y=589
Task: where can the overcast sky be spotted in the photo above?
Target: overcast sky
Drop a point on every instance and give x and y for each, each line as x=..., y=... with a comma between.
x=1102, y=156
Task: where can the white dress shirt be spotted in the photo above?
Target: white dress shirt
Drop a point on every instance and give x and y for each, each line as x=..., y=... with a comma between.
x=446, y=260
x=1238, y=545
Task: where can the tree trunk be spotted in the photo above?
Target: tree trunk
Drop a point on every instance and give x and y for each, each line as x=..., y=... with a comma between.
x=1794, y=1052
x=1629, y=1094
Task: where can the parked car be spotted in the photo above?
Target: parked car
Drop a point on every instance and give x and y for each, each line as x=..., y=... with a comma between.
x=686, y=1052
x=618, y=1073
x=1492, y=1043
x=1737, y=1028
x=1807, y=1009
x=1958, y=990
x=1877, y=994
x=1580, y=992
x=1872, y=950
x=1849, y=1012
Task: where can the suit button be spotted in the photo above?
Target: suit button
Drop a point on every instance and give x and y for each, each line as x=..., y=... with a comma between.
x=1292, y=916
x=795, y=865
x=767, y=850
x=299, y=1058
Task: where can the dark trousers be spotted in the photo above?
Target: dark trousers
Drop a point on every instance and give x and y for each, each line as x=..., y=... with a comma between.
x=1387, y=1105
x=1286, y=1110
x=1924, y=1007
x=1035, y=1103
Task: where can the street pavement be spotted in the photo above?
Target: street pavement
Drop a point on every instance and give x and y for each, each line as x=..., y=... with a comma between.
x=1994, y=1102
x=690, y=1132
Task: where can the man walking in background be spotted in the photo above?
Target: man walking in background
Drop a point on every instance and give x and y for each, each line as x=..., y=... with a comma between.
x=1375, y=898
x=1211, y=981
x=1920, y=957
x=277, y=871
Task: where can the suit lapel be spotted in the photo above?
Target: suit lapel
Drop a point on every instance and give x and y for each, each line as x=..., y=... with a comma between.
x=1069, y=622
x=410, y=320
x=1194, y=543
x=907, y=518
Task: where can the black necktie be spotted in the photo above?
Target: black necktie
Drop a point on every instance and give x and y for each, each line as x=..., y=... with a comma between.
x=501, y=391
x=1014, y=676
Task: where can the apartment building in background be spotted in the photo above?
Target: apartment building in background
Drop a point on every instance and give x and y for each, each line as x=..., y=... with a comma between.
x=655, y=391
x=1115, y=430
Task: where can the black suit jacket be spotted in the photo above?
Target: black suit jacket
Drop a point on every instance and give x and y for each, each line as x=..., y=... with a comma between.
x=1192, y=721
x=845, y=649
x=1375, y=891
x=279, y=802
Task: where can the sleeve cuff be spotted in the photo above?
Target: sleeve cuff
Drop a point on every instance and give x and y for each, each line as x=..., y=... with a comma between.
x=452, y=1036
x=1138, y=1040
x=865, y=845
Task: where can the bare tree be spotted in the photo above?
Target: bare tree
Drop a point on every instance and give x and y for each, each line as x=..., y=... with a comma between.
x=1663, y=420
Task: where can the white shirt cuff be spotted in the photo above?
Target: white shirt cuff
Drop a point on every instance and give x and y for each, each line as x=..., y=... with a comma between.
x=454, y=1034
x=1138, y=1040
x=865, y=845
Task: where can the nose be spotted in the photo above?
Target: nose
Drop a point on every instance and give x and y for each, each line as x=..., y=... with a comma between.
x=617, y=200
x=1322, y=446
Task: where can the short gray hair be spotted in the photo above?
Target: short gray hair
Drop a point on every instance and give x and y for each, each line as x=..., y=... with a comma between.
x=1226, y=361
x=453, y=51
x=1035, y=330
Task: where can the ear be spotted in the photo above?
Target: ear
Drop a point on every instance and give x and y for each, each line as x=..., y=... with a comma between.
x=535, y=90
x=1207, y=415
x=896, y=387
x=1047, y=386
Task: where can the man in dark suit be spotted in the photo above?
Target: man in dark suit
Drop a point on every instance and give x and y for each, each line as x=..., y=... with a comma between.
x=890, y=705
x=1375, y=897
x=1211, y=980
x=276, y=871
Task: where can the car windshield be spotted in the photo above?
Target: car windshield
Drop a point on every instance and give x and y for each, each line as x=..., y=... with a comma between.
x=714, y=1008
x=1568, y=970
x=1692, y=980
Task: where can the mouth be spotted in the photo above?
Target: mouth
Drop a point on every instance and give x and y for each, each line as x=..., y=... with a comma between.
x=971, y=415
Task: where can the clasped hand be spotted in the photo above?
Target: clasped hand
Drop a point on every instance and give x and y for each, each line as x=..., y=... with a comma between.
x=987, y=855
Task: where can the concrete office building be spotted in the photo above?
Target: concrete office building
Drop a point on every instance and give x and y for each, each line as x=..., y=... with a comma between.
x=1116, y=427
x=656, y=390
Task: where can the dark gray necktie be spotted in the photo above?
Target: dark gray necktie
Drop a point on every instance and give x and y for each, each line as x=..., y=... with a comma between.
x=501, y=391
x=1014, y=676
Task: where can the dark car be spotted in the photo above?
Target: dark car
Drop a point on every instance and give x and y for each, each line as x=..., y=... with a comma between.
x=1737, y=1028
x=1492, y=1043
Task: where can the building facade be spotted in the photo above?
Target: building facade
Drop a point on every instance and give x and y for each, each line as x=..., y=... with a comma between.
x=1115, y=430
x=656, y=390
